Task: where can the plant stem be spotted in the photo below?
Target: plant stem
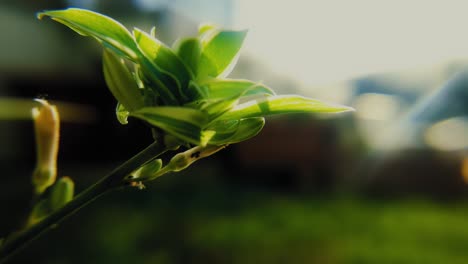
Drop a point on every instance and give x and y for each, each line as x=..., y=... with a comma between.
x=112, y=181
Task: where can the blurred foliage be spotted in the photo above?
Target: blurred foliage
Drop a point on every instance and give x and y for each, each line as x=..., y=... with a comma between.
x=196, y=219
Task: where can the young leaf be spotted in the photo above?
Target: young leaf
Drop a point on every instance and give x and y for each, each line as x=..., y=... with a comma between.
x=225, y=88
x=120, y=82
x=281, y=105
x=205, y=28
x=224, y=127
x=215, y=108
x=164, y=59
x=196, y=92
x=245, y=129
x=224, y=94
x=184, y=123
x=189, y=51
x=121, y=114
x=160, y=84
x=219, y=51
x=106, y=30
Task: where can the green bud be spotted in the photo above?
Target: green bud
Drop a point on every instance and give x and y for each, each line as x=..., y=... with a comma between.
x=147, y=171
x=40, y=211
x=62, y=192
x=180, y=161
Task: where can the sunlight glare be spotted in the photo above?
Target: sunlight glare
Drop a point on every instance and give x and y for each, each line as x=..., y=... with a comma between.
x=376, y=106
x=450, y=134
x=318, y=42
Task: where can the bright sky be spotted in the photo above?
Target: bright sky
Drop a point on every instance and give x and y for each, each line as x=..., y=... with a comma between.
x=322, y=41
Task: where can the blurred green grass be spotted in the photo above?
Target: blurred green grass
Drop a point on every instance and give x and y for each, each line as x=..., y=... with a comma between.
x=194, y=219
x=273, y=228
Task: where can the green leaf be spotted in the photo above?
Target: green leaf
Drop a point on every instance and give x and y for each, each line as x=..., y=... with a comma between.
x=162, y=85
x=152, y=77
x=182, y=122
x=153, y=32
x=106, y=30
x=225, y=88
x=189, y=51
x=165, y=60
x=120, y=82
x=281, y=105
x=215, y=108
x=223, y=94
x=234, y=131
x=196, y=92
x=121, y=114
x=151, y=91
x=219, y=52
x=224, y=127
x=205, y=28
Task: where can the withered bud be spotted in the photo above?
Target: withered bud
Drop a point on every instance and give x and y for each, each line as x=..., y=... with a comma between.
x=46, y=127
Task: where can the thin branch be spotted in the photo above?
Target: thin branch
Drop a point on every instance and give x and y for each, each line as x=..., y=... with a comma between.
x=112, y=181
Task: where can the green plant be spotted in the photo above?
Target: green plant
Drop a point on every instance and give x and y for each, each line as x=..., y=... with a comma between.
x=181, y=92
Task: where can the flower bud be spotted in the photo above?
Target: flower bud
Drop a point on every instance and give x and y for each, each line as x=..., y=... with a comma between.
x=40, y=211
x=46, y=127
x=147, y=171
x=62, y=192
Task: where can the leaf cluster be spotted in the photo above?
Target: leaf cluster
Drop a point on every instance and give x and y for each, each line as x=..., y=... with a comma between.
x=183, y=90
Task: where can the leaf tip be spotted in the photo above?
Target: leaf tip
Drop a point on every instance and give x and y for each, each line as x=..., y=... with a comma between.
x=206, y=136
x=244, y=32
x=344, y=109
x=205, y=27
x=153, y=32
x=40, y=15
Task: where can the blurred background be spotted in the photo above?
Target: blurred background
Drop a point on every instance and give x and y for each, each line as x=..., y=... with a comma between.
x=386, y=184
